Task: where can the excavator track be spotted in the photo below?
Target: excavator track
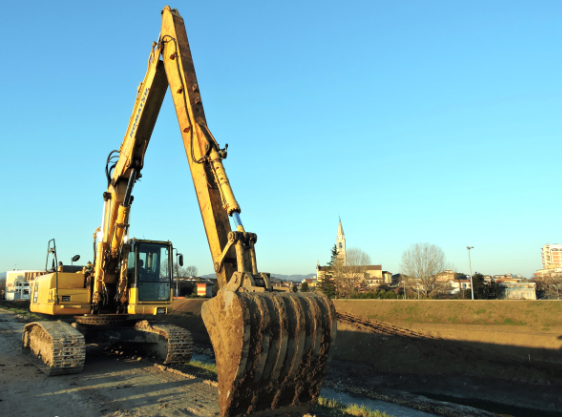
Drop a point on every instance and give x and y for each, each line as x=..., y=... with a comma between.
x=56, y=348
x=176, y=343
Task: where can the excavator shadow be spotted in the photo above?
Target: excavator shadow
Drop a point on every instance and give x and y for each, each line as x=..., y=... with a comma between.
x=515, y=380
x=118, y=382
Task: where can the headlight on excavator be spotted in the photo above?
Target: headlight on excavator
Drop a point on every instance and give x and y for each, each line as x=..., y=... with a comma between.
x=161, y=310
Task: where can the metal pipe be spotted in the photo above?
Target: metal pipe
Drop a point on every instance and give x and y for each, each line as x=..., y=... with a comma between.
x=238, y=221
x=229, y=201
x=132, y=179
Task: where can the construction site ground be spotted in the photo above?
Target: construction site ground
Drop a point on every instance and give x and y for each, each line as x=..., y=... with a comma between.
x=115, y=384
x=402, y=370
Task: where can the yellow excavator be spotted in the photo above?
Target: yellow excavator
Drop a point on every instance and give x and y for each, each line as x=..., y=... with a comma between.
x=272, y=348
x=123, y=314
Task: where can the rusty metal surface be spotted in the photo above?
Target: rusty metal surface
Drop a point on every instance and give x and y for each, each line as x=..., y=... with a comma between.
x=103, y=320
x=272, y=350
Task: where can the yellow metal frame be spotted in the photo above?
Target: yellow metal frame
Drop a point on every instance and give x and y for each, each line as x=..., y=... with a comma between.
x=71, y=285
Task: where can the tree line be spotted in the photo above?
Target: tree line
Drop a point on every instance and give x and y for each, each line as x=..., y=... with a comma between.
x=421, y=266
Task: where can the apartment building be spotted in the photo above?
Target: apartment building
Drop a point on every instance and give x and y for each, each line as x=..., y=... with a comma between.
x=551, y=256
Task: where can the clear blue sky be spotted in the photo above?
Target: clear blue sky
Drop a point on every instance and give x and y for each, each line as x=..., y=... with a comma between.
x=433, y=121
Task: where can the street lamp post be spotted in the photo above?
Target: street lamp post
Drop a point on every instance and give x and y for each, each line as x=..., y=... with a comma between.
x=404, y=282
x=470, y=268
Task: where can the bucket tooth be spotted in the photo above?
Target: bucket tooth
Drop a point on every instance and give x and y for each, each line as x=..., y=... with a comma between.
x=272, y=350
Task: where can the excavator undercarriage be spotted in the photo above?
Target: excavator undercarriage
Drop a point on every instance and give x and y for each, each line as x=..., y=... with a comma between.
x=59, y=348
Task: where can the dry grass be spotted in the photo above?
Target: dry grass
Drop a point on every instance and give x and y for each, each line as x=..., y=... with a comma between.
x=25, y=313
x=336, y=408
x=208, y=369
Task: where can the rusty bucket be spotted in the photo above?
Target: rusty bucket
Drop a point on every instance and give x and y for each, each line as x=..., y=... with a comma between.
x=272, y=350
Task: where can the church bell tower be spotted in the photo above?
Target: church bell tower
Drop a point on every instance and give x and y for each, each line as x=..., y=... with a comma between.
x=340, y=244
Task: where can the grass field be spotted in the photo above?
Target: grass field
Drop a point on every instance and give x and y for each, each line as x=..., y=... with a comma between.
x=536, y=316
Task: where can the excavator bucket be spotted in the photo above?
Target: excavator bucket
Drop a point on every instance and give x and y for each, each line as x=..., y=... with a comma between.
x=272, y=350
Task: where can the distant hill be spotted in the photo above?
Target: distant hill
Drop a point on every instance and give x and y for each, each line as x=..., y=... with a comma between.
x=278, y=276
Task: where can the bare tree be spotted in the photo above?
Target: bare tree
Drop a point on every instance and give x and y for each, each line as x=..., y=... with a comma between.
x=550, y=284
x=191, y=271
x=179, y=272
x=357, y=263
x=350, y=277
x=421, y=263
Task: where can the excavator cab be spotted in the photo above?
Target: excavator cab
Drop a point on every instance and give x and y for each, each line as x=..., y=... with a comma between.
x=149, y=274
x=149, y=270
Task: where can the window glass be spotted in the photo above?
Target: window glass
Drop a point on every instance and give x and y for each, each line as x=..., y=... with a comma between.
x=153, y=272
x=131, y=266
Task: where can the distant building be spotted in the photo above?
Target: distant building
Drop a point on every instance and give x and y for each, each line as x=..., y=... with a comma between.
x=387, y=277
x=518, y=290
x=398, y=279
x=507, y=278
x=340, y=244
x=445, y=276
x=459, y=284
x=551, y=255
x=18, y=283
x=204, y=289
x=311, y=282
x=543, y=273
x=286, y=286
x=372, y=275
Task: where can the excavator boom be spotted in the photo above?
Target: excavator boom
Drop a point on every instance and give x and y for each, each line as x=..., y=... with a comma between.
x=272, y=348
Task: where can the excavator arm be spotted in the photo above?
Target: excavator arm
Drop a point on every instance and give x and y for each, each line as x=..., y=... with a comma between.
x=122, y=176
x=170, y=63
x=272, y=349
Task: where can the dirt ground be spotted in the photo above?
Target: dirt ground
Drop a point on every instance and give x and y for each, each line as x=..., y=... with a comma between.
x=110, y=385
x=482, y=375
x=114, y=384
x=519, y=324
x=374, y=360
x=458, y=352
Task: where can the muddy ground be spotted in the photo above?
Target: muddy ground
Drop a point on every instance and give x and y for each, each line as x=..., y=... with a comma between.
x=119, y=384
x=509, y=370
x=110, y=385
x=394, y=358
x=374, y=361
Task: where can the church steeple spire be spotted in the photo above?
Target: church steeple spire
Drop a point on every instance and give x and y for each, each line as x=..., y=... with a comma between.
x=340, y=244
x=340, y=229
